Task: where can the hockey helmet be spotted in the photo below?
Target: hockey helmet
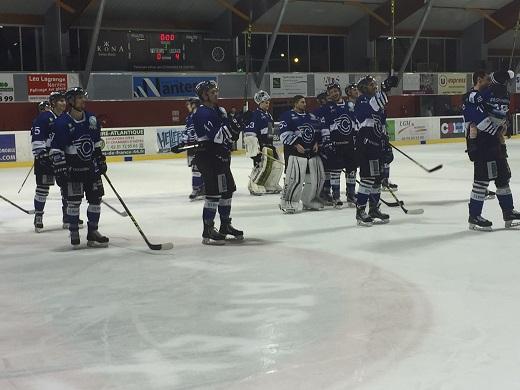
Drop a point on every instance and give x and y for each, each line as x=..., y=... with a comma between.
x=332, y=85
x=261, y=96
x=363, y=83
x=350, y=87
x=42, y=106
x=55, y=96
x=194, y=101
x=205, y=86
x=73, y=93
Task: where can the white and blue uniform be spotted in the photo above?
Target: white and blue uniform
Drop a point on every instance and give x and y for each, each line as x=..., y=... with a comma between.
x=261, y=126
x=372, y=145
x=77, y=145
x=485, y=110
x=339, y=133
x=42, y=132
x=299, y=128
x=213, y=158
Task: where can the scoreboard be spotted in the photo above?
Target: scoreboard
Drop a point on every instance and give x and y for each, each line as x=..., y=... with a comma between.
x=163, y=51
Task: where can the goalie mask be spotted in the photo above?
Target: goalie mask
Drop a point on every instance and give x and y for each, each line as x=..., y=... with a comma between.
x=261, y=96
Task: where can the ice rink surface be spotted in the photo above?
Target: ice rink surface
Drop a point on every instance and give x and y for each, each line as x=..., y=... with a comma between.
x=307, y=301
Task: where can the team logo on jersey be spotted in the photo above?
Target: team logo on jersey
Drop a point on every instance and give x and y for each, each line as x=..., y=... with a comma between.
x=92, y=121
x=84, y=147
x=378, y=125
x=343, y=124
x=307, y=132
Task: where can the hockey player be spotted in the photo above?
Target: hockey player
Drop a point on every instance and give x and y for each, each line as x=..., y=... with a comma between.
x=325, y=196
x=78, y=165
x=385, y=181
x=486, y=148
x=373, y=147
x=338, y=132
x=352, y=94
x=258, y=139
x=189, y=137
x=215, y=135
x=42, y=132
x=300, y=133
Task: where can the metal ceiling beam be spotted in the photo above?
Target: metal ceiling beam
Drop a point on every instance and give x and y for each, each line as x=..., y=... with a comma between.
x=487, y=16
x=272, y=39
x=93, y=43
x=235, y=10
x=506, y=16
x=404, y=8
x=416, y=37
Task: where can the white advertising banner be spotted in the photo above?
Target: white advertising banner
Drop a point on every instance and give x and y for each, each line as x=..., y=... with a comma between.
x=288, y=84
x=6, y=88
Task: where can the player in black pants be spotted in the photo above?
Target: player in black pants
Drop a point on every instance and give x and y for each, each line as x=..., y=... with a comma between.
x=215, y=135
x=78, y=165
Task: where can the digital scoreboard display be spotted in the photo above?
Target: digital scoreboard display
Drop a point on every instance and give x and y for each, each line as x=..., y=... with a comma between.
x=163, y=51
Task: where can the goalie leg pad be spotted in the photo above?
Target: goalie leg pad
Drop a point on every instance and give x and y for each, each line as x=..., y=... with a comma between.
x=293, y=186
x=252, y=146
x=254, y=187
x=314, y=184
x=272, y=169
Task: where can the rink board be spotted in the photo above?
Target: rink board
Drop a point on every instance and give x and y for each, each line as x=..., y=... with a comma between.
x=154, y=143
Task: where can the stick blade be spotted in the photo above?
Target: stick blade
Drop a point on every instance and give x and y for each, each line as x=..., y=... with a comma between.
x=31, y=212
x=415, y=211
x=161, y=247
x=435, y=168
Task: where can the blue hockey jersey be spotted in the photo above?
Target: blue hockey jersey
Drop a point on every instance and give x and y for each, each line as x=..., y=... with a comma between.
x=189, y=136
x=42, y=132
x=497, y=99
x=77, y=140
x=475, y=111
x=371, y=117
x=339, y=122
x=211, y=125
x=303, y=129
x=260, y=124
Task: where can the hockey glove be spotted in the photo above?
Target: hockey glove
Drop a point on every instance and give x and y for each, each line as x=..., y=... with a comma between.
x=388, y=156
x=328, y=149
x=389, y=83
x=236, y=127
x=100, y=164
x=61, y=169
x=178, y=148
x=43, y=159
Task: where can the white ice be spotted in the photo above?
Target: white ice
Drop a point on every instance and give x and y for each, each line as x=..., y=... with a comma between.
x=308, y=301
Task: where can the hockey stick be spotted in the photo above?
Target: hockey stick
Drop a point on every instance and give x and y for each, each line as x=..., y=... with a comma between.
x=392, y=46
x=18, y=207
x=155, y=247
x=517, y=27
x=406, y=211
x=121, y=213
x=26, y=177
x=272, y=158
x=417, y=163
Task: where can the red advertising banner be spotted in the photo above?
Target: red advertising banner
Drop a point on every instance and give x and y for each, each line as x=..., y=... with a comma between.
x=40, y=85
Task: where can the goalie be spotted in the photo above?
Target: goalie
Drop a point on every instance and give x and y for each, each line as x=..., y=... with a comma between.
x=258, y=140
